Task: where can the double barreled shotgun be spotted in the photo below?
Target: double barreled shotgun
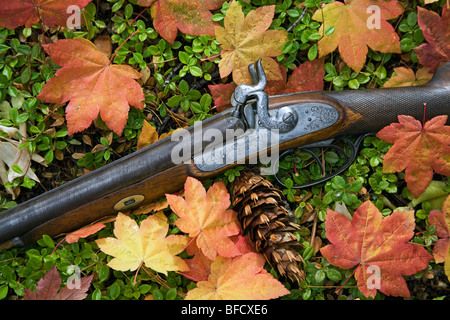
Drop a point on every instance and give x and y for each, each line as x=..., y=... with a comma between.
x=256, y=126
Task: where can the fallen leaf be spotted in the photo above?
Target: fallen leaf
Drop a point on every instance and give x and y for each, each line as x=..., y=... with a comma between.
x=405, y=77
x=16, y=13
x=306, y=77
x=84, y=232
x=357, y=27
x=48, y=288
x=190, y=17
x=204, y=217
x=435, y=194
x=441, y=249
x=371, y=242
x=103, y=43
x=10, y=131
x=92, y=85
x=245, y=40
x=146, y=244
x=242, y=277
x=12, y=156
x=155, y=206
x=419, y=150
x=221, y=94
x=147, y=136
x=436, y=31
x=200, y=265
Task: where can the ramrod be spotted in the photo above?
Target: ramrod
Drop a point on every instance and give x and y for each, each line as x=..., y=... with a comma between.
x=144, y=176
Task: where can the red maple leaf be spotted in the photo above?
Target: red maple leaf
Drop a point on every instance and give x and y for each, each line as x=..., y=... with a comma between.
x=378, y=246
x=419, y=150
x=92, y=85
x=441, y=220
x=48, y=288
x=436, y=30
x=16, y=13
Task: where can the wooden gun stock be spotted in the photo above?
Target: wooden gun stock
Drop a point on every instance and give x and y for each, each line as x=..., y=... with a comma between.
x=149, y=174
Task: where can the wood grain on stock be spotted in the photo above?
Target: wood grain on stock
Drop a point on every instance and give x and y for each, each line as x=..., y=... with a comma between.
x=153, y=188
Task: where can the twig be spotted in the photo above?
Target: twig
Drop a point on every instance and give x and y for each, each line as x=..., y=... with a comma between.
x=161, y=281
x=117, y=50
x=297, y=21
x=195, y=86
x=217, y=55
x=41, y=23
x=314, y=228
x=140, y=14
x=337, y=292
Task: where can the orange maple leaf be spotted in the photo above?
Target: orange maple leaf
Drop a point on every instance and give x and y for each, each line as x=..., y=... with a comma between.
x=190, y=17
x=204, y=217
x=356, y=27
x=242, y=277
x=16, y=13
x=84, y=232
x=377, y=246
x=419, y=150
x=92, y=85
x=405, y=77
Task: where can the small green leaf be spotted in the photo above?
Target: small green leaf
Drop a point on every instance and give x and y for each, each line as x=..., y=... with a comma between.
x=48, y=241
x=195, y=71
x=3, y=291
x=329, y=31
x=312, y=52
x=334, y=275
x=183, y=87
x=171, y=294
x=158, y=295
x=103, y=273
x=184, y=57
x=17, y=169
x=289, y=183
x=353, y=84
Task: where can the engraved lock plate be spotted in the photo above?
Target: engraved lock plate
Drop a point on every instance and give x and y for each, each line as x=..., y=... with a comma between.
x=128, y=202
x=312, y=117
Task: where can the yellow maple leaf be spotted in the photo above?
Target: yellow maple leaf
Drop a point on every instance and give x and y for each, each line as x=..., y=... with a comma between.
x=247, y=39
x=146, y=244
